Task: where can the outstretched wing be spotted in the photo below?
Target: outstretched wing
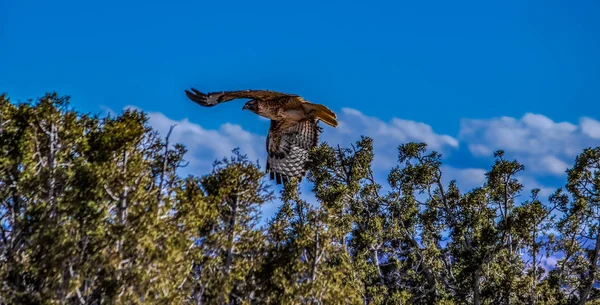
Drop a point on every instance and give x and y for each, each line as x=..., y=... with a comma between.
x=213, y=98
x=288, y=144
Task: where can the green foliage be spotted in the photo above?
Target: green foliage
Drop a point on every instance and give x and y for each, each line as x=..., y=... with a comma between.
x=579, y=229
x=94, y=211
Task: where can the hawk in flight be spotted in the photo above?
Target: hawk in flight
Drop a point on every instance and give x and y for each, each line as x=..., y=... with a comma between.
x=293, y=131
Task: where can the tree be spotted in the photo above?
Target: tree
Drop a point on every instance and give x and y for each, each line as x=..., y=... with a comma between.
x=83, y=218
x=93, y=210
x=579, y=228
x=229, y=247
x=535, y=222
x=308, y=261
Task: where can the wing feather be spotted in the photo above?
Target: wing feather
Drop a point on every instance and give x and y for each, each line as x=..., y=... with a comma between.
x=213, y=98
x=288, y=146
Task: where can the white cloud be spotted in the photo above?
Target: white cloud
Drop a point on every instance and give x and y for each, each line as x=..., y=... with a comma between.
x=470, y=178
x=544, y=146
x=387, y=136
x=466, y=178
x=590, y=127
x=398, y=129
x=532, y=134
x=207, y=145
x=554, y=165
x=480, y=150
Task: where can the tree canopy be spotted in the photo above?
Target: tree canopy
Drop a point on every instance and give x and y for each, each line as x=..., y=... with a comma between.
x=95, y=211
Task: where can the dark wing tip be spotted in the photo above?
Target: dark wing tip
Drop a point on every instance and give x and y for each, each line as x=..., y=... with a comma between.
x=279, y=177
x=199, y=98
x=282, y=178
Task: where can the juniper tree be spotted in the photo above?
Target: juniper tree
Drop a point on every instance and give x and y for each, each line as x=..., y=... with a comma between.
x=415, y=202
x=93, y=211
x=309, y=259
x=580, y=229
x=82, y=218
x=296, y=263
x=535, y=223
x=229, y=247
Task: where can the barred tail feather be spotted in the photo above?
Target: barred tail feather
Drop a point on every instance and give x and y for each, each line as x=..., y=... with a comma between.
x=325, y=114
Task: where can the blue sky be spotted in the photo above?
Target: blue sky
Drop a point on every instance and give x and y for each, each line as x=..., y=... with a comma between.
x=467, y=77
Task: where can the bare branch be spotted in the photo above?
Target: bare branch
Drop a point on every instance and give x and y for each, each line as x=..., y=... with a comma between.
x=112, y=196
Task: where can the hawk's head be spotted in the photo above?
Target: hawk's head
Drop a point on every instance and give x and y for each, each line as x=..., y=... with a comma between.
x=252, y=106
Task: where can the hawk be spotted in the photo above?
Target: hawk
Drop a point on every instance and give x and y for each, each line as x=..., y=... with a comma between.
x=294, y=126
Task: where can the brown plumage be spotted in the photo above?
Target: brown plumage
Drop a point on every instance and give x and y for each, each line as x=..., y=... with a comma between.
x=294, y=126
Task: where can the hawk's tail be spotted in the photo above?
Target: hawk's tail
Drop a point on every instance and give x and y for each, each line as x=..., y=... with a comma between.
x=324, y=114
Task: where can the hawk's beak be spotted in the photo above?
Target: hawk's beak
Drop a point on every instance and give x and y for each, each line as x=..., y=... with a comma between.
x=248, y=106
